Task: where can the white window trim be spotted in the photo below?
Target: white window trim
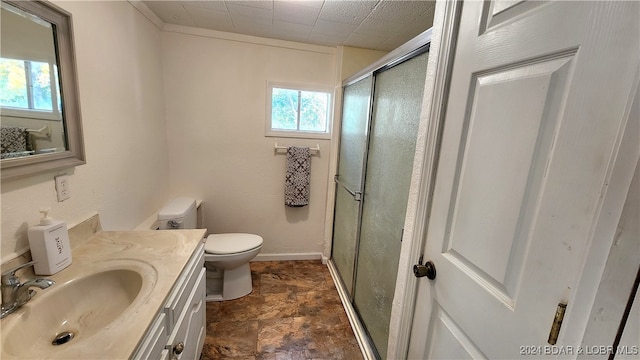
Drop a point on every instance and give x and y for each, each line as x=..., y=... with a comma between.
x=30, y=114
x=269, y=132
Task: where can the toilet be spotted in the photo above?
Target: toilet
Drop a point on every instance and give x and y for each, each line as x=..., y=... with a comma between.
x=226, y=256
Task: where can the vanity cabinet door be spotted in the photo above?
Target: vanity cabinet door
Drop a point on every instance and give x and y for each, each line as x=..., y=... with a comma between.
x=153, y=345
x=187, y=338
x=165, y=355
x=177, y=299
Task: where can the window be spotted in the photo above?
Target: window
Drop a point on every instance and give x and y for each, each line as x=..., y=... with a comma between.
x=298, y=111
x=28, y=88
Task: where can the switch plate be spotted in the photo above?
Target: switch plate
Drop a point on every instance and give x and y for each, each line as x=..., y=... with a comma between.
x=62, y=187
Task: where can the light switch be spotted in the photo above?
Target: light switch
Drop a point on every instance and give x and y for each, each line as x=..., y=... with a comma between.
x=62, y=187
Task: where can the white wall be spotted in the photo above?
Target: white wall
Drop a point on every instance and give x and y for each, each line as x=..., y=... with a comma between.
x=215, y=91
x=34, y=43
x=125, y=178
x=356, y=59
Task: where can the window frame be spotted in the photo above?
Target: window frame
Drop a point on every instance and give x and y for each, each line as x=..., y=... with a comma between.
x=31, y=112
x=302, y=134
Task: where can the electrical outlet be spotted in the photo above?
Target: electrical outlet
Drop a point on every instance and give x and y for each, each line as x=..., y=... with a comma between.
x=62, y=187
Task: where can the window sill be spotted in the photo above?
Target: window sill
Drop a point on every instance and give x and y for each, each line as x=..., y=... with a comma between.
x=29, y=114
x=298, y=135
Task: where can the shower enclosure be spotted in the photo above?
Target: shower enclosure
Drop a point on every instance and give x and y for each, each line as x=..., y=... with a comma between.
x=380, y=117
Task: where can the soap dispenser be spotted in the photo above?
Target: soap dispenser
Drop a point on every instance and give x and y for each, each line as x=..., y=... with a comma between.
x=49, y=242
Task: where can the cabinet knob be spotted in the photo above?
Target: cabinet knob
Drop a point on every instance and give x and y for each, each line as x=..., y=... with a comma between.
x=178, y=348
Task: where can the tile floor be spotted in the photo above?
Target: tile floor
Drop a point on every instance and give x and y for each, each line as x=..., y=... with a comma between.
x=293, y=313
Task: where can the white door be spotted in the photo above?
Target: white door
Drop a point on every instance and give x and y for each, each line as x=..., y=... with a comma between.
x=537, y=96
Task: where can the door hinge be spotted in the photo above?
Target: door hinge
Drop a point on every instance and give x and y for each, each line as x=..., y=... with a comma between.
x=557, y=323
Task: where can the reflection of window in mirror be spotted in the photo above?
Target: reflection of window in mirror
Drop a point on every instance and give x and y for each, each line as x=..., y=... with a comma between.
x=30, y=87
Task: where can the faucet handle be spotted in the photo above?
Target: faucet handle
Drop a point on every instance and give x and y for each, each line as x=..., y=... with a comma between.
x=9, y=276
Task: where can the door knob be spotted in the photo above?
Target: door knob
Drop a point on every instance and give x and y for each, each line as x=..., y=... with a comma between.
x=428, y=270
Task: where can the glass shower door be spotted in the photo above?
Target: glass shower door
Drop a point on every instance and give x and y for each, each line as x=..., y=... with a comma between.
x=396, y=115
x=353, y=143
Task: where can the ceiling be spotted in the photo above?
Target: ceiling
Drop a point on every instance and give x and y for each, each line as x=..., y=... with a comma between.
x=371, y=24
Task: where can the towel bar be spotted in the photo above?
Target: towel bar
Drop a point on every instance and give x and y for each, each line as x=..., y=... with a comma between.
x=314, y=150
x=46, y=130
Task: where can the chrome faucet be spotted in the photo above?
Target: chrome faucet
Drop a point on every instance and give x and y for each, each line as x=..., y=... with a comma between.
x=16, y=294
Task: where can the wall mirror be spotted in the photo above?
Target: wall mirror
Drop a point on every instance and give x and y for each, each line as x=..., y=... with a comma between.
x=40, y=123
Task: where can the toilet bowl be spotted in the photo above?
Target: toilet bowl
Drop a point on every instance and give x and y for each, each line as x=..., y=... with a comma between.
x=226, y=256
x=227, y=259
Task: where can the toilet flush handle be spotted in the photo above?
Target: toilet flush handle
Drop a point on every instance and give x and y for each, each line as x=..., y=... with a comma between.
x=174, y=224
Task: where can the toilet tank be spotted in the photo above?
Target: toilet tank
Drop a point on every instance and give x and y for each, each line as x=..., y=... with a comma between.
x=179, y=213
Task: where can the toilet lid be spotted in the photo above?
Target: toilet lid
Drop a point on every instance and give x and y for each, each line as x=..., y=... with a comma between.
x=231, y=243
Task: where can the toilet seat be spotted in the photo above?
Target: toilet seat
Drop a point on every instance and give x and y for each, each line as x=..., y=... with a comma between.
x=231, y=243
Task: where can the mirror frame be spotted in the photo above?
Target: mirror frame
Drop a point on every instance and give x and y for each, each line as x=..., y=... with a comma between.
x=14, y=168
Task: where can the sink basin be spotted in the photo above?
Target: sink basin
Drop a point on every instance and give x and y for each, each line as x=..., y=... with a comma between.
x=82, y=305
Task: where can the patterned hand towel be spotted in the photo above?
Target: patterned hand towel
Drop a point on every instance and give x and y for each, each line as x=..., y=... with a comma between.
x=14, y=139
x=296, y=184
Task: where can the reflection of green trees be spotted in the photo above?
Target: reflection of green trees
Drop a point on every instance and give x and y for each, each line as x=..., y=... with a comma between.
x=41, y=85
x=13, y=83
x=284, y=109
x=313, y=110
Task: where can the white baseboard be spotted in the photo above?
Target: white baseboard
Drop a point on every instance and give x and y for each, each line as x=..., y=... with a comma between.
x=290, y=257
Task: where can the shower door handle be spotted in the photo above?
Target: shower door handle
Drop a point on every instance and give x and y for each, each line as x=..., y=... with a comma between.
x=357, y=195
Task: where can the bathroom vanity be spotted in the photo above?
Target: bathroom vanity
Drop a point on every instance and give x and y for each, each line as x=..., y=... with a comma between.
x=127, y=294
x=179, y=327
